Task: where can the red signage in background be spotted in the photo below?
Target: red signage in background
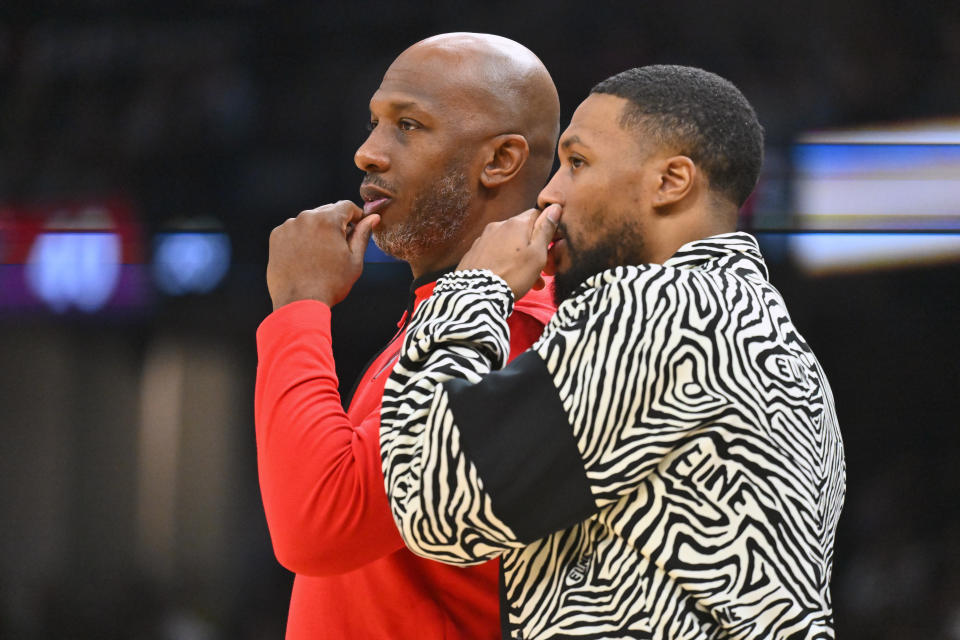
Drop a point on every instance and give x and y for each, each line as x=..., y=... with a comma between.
x=79, y=256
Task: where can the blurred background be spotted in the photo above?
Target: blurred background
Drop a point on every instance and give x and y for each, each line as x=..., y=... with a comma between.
x=148, y=148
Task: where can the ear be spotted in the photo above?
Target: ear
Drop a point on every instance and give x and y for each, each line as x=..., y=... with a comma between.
x=677, y=177
x=507, y=155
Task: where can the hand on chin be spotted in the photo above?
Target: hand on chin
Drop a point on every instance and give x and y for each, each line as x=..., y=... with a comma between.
x=516, y=248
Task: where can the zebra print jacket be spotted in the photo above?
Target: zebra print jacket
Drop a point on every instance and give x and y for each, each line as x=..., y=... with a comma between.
x=665, y=462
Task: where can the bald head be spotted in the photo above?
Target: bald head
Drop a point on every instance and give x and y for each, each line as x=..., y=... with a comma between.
x=463, y=129
x=498, y=86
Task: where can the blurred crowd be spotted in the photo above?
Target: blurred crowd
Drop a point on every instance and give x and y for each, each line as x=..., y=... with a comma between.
x=248, y=112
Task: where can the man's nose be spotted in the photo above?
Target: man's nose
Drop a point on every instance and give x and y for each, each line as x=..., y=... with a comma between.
x=372, y=156
x=550, y=194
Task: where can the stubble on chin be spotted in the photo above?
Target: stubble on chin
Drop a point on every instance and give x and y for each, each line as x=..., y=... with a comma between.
x=438, y=214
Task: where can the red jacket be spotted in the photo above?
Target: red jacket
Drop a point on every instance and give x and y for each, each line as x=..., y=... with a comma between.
x=323, y=491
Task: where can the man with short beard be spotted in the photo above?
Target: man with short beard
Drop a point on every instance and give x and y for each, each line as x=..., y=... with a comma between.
x=462, y=131
x=665, y=462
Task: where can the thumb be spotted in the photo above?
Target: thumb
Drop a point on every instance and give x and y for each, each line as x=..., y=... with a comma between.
x=361, y=234
x=546, y=225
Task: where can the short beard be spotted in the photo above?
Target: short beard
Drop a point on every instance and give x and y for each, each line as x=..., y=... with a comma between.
x=616, y=247
x=438, y=214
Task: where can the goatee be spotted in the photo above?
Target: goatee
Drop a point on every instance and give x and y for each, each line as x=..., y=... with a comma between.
x=437, y=216
x=616, y=247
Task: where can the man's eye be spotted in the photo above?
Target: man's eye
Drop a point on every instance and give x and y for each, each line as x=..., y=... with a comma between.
x=576, y=162
x=371, y=125
x=407, y=125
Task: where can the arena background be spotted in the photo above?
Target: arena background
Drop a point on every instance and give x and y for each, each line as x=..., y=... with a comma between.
x=148, y=148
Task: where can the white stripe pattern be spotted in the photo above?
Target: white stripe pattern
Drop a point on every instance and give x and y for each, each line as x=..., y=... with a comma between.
x=708, y=437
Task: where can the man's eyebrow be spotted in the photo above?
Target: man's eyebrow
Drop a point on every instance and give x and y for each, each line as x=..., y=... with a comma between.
x=572, y=140
x=395, y=105
x=400, y=105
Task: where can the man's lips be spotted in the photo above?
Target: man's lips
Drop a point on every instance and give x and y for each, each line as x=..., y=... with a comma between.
x=374, y=206
x=374, y=198
x=558, y=236
x=553, y=256
x=556, y=250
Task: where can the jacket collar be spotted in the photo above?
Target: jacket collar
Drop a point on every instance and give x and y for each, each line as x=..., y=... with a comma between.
x=720, y=251
x=737, y=250
x=420, y=289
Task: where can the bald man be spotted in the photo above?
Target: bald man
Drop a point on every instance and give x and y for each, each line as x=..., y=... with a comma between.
x=462, y=132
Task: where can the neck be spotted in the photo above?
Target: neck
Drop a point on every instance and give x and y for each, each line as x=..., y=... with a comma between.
x=448, y=255
x=695, y=223
x=428, y=277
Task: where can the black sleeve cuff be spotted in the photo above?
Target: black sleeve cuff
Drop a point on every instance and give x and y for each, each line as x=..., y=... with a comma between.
x=515, y=431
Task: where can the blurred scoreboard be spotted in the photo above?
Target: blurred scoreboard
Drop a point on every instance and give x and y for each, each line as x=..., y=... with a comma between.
x=92, y=255
x=71, y=256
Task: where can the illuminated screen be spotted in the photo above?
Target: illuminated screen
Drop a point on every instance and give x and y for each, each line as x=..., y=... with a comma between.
x=86, y=257
x=71, y=257
x=869, y=184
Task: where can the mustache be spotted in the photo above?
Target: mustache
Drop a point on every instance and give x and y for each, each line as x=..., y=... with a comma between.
x=377, y=181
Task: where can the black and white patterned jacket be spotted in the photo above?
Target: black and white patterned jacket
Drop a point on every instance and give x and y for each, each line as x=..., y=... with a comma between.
x=665, y=462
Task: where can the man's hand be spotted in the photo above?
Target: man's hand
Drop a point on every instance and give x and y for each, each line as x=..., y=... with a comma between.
x=319, y=254
x=515, y=249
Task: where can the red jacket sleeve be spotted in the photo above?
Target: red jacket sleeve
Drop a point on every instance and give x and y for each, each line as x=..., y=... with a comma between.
x=320, y=475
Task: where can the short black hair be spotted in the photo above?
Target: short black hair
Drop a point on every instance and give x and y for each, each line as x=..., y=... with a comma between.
x=702, y=115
